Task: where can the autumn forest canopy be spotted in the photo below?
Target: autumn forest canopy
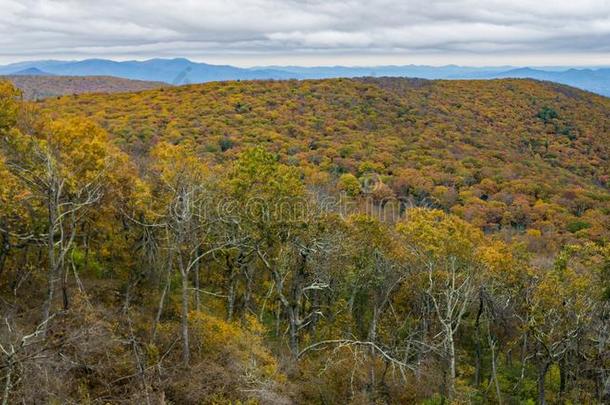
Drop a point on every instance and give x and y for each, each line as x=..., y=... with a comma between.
x=341, y=241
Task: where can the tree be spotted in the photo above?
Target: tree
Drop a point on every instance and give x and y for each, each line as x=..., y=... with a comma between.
x=64, y=166
x=181, y=189
x=288, y=232
x=379, y=271
x=13, y=223
x=444, y=251
x=561, y=311
x=349, y=184
x=565, y=308
x=9, y=105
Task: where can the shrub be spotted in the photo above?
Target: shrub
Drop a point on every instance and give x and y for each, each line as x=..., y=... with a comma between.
x=576, y=226
x=547, y=114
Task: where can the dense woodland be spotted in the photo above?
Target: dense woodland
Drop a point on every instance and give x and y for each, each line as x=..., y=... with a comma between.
x=363, y=241
x=37, y=87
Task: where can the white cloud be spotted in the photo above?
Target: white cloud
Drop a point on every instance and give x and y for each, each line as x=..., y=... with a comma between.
x=264, y=29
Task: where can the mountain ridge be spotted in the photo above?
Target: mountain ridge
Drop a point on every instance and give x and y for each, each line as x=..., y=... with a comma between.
x=32, y=71
x=37, y=86
x=179, y=71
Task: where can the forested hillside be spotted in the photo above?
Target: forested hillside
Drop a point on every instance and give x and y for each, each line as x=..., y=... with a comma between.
x=36, y=87
x=505, y=155
x=320, y=242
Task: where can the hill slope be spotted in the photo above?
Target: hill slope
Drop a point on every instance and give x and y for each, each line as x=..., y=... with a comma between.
x=502, y=154
x=39, y=86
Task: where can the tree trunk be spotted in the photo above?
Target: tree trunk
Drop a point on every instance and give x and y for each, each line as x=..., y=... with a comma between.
x=231, y=299
x=294, y=306
x=562, y=377
x=246, y=270
x=184, y=320
x=5, y=247
x=162, y=300
x=494, y=370
x=372, y=337
x=231, y=290
x=7, y=382
x=315, y=308
x=197, y=285
x=523, y=357
x=52, y=262
x=477, y=371
x=86, y=237
x=294, y=331
x=451, y=360
x=542, y=369
x=278, y=316
x=64, y=288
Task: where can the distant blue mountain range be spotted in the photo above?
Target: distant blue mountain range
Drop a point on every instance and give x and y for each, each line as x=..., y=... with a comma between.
x=32, y=71
x=182, y=71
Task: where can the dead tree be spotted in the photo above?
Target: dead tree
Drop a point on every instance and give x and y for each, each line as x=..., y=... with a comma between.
x=451, y=290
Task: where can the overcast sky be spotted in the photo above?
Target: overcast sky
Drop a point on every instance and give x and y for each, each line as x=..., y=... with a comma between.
x=311, y=32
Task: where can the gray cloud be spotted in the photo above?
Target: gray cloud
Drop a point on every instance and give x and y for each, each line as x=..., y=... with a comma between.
x=263, y=31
